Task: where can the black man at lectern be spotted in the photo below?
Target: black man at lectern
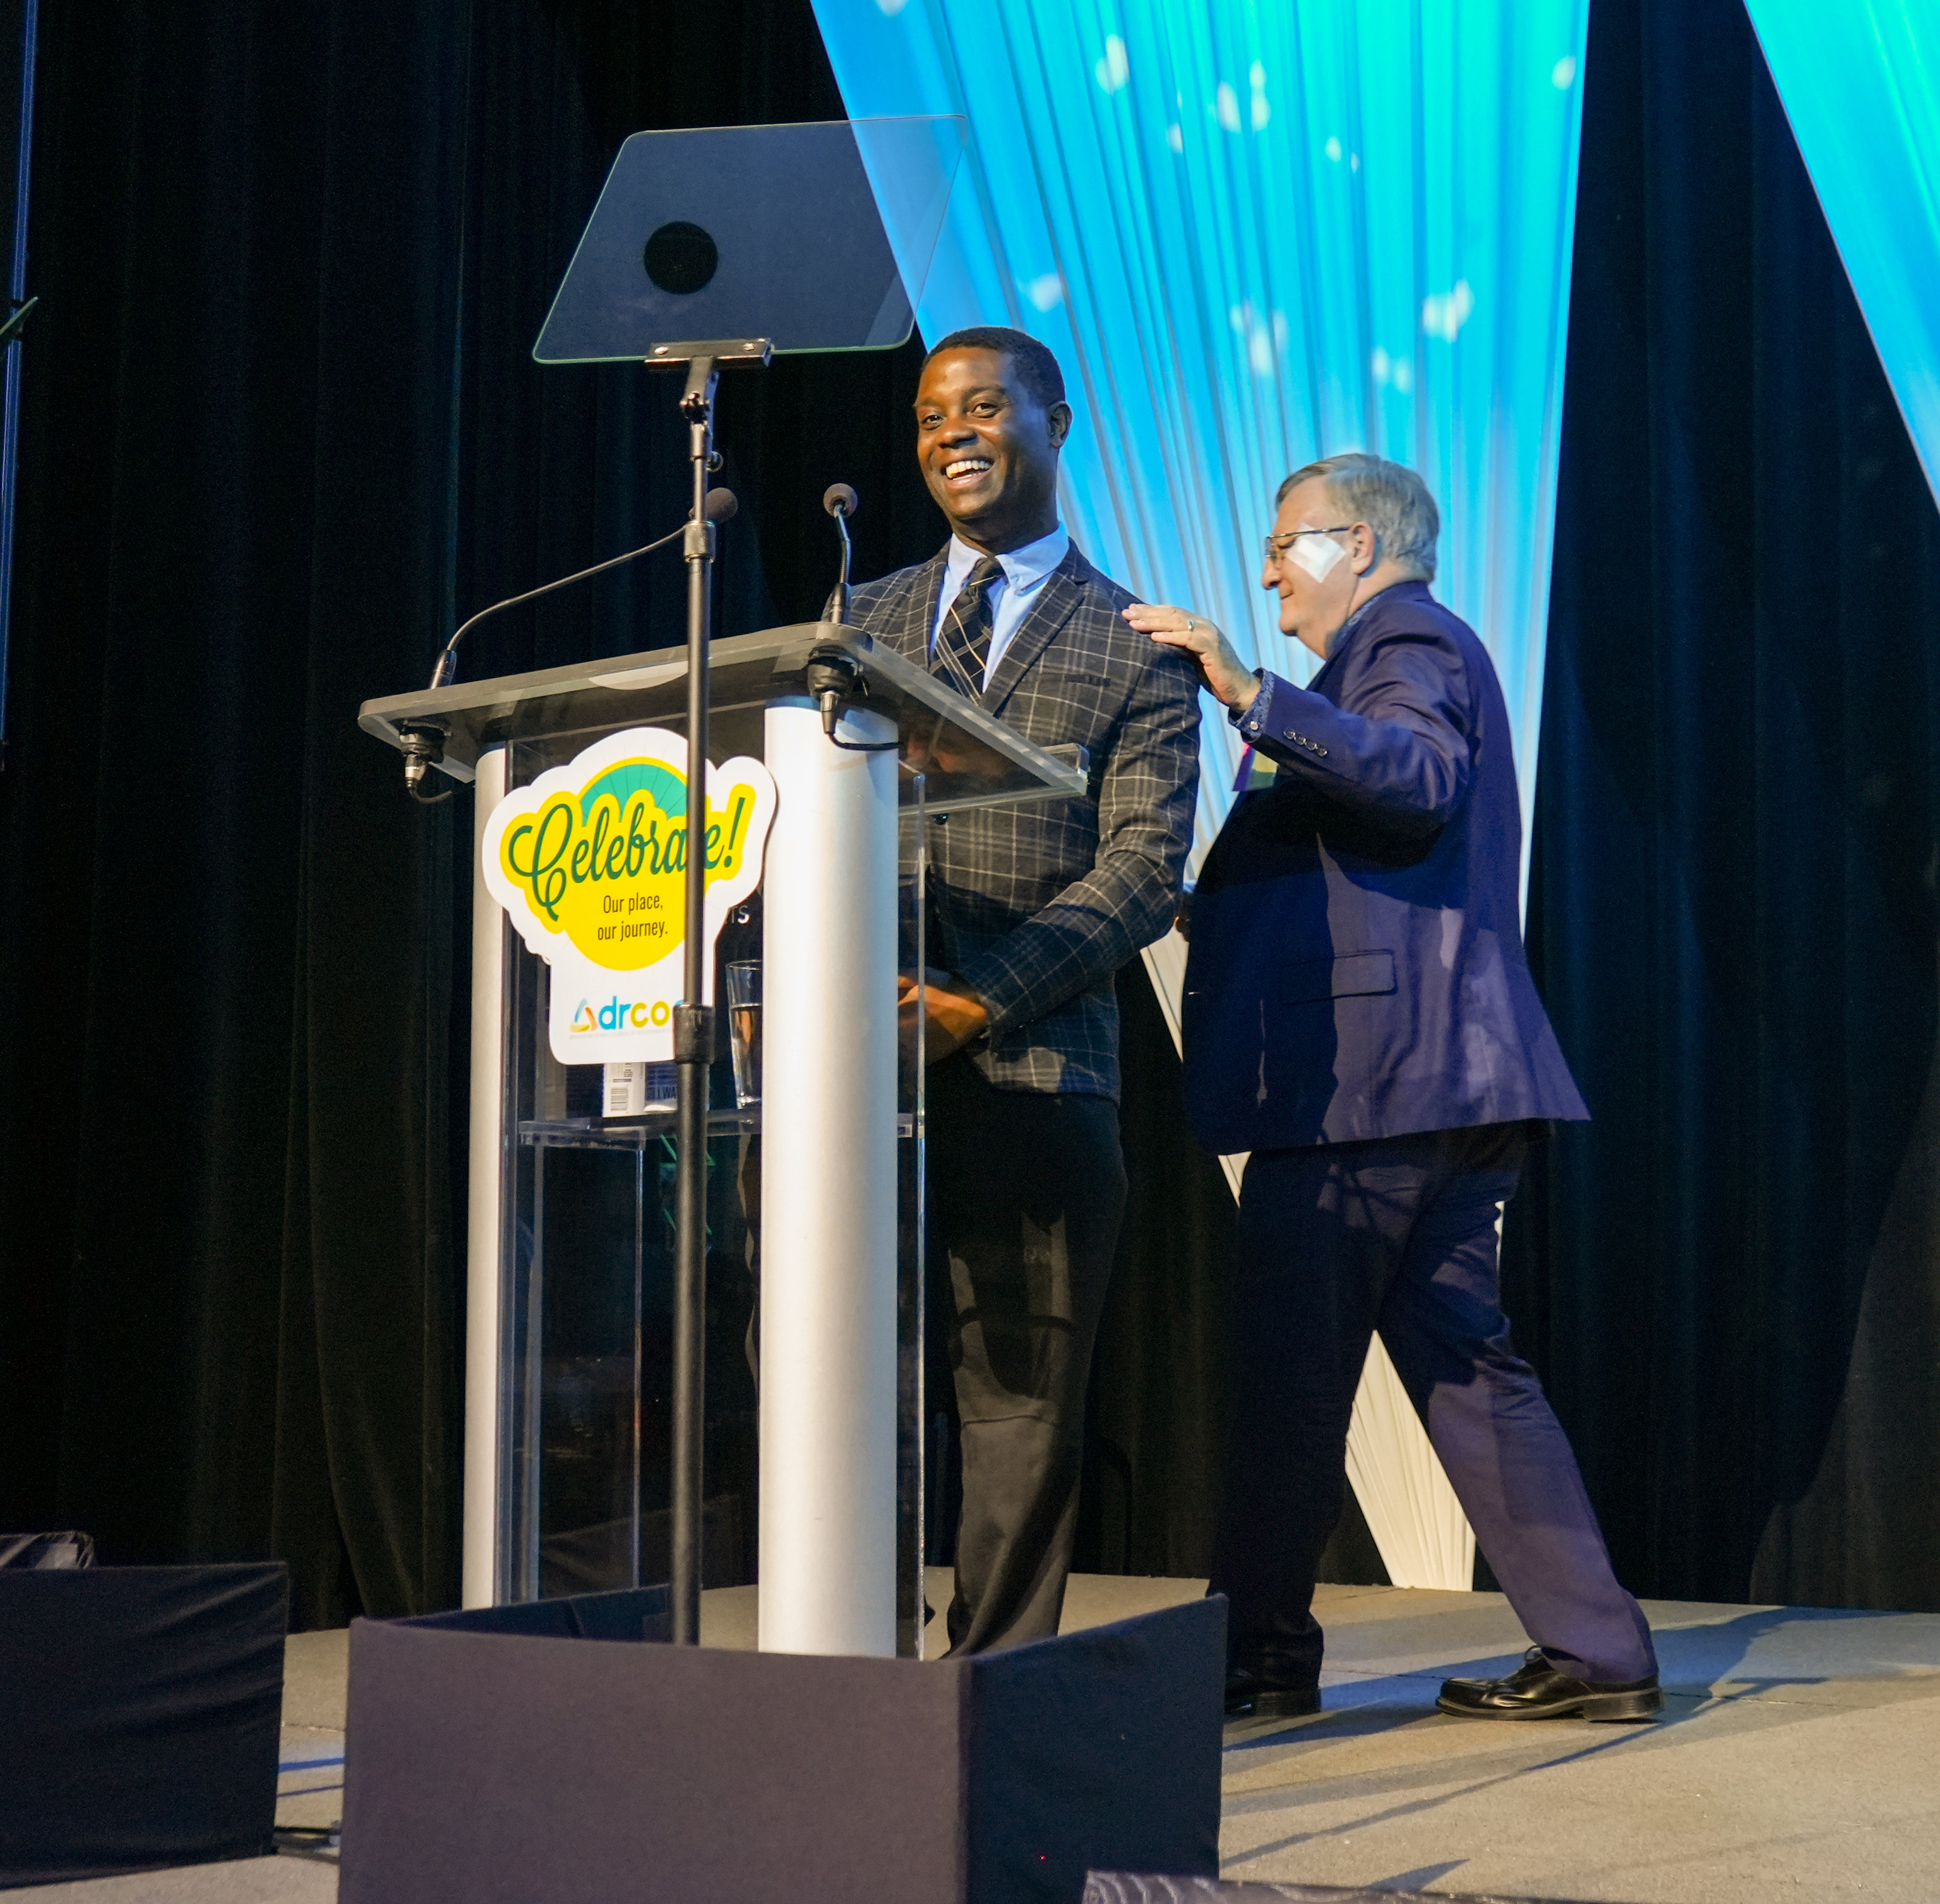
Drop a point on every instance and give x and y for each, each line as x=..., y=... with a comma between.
x=1034, y=908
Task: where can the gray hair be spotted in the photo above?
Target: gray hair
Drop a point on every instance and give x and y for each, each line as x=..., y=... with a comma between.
x=1389, y=497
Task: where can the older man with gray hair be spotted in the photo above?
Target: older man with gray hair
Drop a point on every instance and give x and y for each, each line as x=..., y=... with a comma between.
x=1359, y=1017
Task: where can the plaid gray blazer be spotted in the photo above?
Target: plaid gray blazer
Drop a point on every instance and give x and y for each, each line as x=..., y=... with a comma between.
x=1038, y=905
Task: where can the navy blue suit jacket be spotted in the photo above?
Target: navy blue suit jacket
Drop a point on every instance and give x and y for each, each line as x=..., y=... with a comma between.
x=1356, y=967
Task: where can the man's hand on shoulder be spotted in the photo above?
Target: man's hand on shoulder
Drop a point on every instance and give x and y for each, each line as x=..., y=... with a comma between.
x=1223, y=675
x=956, y=1016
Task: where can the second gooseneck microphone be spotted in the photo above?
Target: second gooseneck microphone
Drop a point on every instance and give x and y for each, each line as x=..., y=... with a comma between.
x=834, y=678
x=721, y=504
x=839, y=499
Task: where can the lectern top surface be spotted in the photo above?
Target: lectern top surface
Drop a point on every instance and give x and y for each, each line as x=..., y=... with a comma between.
x=968, y=758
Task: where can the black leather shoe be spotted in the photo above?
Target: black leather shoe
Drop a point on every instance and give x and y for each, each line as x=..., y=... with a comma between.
x=1258, y=1695
x=1536, y=1690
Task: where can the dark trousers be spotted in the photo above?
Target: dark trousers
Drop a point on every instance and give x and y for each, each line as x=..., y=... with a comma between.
x=1026, y=1190
x=1399, y=1234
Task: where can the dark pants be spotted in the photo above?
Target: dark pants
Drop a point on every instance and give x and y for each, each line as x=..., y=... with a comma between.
x=1399, y=1234
x=1026, y=1192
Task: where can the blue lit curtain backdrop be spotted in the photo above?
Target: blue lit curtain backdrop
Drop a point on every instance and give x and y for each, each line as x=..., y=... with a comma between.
x=1256, y=234
x=1860, y=80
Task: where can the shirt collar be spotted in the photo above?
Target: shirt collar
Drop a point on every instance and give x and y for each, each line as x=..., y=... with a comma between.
x=1023, y=569
x=1354, y=621
x=1348, y=627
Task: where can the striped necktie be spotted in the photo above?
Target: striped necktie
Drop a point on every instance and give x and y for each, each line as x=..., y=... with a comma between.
x=963, y=642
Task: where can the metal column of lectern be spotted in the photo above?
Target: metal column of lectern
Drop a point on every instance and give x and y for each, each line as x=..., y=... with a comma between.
x=560, y=1476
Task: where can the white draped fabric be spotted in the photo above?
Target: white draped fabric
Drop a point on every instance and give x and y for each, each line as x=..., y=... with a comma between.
x=1254, y=235
x=1860, y=80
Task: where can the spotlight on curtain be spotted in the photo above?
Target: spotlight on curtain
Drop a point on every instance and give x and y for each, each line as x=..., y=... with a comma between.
x=1860, y=80
x=1254, y=235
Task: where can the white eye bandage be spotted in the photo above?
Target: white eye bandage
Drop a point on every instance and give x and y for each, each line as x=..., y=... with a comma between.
x=1315, y=552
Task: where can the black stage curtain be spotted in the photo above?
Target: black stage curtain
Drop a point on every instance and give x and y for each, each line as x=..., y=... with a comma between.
x=1155, y=1420
x=1155, y=1414
x=1731, y=1278
x=284, y=429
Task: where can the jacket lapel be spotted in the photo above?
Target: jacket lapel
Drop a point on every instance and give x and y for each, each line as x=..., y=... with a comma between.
x=1057, y=602
x=910, y=637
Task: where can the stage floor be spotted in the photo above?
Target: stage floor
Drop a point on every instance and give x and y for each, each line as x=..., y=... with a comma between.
x=1795, y=1756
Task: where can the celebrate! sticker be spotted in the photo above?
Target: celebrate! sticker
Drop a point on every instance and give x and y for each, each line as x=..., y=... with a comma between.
x=590, y=862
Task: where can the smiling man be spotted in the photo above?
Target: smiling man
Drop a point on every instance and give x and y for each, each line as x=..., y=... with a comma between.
x=1359, y=1017
x=1034, y=908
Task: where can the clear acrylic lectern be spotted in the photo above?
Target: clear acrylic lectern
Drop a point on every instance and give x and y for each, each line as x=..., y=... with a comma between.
x=565, y=1480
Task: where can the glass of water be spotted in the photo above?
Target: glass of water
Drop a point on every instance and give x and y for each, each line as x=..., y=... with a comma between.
x=744, y=1028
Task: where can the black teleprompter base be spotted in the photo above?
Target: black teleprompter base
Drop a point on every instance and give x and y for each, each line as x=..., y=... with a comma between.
x=490, y=1766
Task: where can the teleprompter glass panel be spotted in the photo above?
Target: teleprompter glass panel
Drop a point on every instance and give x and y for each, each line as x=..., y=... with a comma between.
x=817, y=237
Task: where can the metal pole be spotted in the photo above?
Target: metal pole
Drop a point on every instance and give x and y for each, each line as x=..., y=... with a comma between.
x=694, y=1044
x=829, y=1188
x=10, y=415
x=486, y=1577
x=919, y=1147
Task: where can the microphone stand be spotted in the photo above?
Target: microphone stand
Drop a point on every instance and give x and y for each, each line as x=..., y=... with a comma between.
x=693, y=1019
x=693, y=1046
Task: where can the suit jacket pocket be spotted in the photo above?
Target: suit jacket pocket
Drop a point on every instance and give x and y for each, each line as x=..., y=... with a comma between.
x=1353, y=974
x=1057, y=703
x=1084, y=694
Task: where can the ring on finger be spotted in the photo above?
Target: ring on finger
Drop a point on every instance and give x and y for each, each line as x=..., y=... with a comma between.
x=1190, y=624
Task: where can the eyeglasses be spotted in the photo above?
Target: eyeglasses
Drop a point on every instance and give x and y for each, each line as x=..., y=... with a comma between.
x=1275, y=544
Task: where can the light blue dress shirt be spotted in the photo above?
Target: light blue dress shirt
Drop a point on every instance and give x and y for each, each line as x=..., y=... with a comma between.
x=1012, y=597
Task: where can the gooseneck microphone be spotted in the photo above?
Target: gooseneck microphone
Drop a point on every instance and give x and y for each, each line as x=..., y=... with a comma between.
x=839, y=499
x=721, y=505
x=423, y=741
x=834, y=679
